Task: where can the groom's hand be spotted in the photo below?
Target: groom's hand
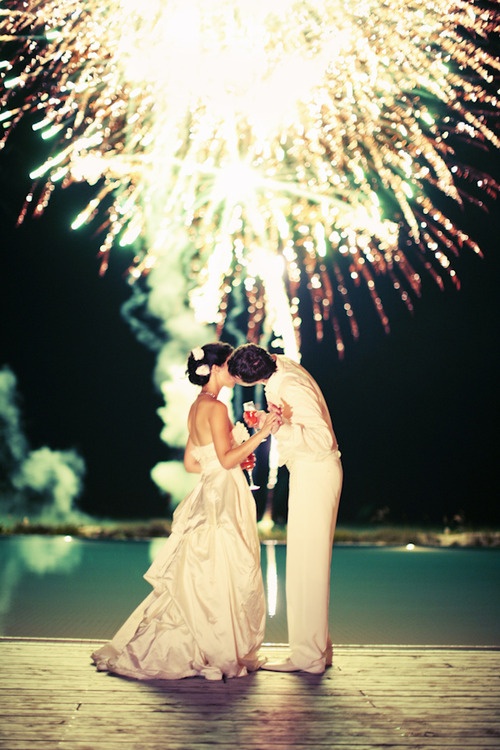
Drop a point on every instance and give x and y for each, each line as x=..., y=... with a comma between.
x=285, y=411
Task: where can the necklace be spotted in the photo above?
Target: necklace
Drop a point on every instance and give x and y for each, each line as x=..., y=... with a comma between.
x=208, y=393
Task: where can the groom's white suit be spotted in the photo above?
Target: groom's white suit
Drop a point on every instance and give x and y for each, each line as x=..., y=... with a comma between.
x=308, y=446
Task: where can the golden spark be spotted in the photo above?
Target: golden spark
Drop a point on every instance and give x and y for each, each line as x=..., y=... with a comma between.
x=271, y=146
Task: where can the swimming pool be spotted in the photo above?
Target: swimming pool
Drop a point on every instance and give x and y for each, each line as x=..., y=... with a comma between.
x=60, y=587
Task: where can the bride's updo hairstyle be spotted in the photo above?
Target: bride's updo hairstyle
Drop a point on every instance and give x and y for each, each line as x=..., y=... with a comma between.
x=202, y=358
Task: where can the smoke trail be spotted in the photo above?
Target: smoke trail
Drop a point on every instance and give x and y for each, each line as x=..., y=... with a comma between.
x=55, y=478
x=162, y=319
x=42, y=484
x=13, y=444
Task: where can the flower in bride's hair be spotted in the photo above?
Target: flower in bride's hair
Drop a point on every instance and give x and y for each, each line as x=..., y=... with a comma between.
x=240, y=433
x=197, y=354
x=203, y=370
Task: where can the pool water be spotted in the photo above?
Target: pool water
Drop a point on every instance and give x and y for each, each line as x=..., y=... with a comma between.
x=57, y=587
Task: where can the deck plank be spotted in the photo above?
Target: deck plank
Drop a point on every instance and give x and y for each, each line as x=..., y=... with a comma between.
x=373, y=697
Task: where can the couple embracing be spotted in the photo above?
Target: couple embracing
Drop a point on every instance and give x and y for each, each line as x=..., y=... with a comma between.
x=206, y=613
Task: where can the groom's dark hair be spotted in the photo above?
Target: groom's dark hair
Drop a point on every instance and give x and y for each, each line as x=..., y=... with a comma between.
x=250, y=363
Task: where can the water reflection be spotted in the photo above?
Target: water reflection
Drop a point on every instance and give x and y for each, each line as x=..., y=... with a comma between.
x=56, y=588
x=38, y=555
x=271, y=578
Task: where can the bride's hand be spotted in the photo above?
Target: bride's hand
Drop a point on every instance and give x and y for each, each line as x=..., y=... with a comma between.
x=261, y=414
x=271, y=423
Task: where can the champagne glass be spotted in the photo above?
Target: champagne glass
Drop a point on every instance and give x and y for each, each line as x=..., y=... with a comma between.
x=251, y=419
x=250, y=415
x=248, y=465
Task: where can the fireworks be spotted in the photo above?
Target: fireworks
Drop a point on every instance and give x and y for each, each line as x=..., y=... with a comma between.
x=273, y=146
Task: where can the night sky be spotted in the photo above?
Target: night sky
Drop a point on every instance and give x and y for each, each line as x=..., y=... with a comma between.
x=416, y=411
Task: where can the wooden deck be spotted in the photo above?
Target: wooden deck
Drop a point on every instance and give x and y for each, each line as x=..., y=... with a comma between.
x=373, y=697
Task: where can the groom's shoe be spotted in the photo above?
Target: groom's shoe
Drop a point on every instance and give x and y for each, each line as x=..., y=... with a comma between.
x=288, y=666
x=329, y=655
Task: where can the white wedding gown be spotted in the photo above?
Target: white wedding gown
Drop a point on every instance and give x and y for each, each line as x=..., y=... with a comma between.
x=206, y=613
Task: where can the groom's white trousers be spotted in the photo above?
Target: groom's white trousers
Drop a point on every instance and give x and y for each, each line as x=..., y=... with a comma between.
x=314, y=494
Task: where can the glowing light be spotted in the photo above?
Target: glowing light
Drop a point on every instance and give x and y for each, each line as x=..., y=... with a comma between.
x=238, y=127
x=258, y=149
x=271, y=578
x=410, y=546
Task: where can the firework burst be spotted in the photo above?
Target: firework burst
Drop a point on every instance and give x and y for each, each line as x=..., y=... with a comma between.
x=271, y=146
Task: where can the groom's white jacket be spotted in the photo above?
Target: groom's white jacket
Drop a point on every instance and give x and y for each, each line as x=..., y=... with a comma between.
x=309, y=432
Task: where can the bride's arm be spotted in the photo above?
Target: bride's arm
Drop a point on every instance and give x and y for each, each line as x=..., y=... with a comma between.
x=220, y=426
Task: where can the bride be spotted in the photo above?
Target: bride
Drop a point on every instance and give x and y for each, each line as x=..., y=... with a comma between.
x=206, y=613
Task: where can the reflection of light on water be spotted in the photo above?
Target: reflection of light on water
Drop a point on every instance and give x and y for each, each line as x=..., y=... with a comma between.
x=48, y=554
x=11, y=575
x=271, y=578
x=390, y=549
x=40, y=555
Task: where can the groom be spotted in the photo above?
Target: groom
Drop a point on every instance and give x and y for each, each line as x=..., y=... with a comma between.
x=308, y=446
